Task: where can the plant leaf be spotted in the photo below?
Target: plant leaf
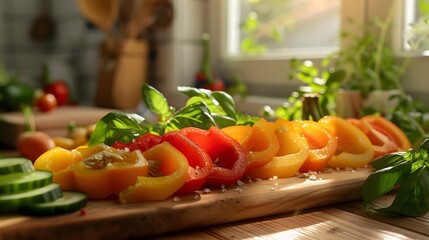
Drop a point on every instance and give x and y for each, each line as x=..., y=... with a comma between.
x=116, y=126
x=390, y=159
x=193, y=115
x=383, y=181
x=412, y=198
x=156, y=102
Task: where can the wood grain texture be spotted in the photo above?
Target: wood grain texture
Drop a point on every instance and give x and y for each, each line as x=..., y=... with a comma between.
x=109, y=220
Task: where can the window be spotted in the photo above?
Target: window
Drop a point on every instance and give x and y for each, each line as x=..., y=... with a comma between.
x=416, y=30
x=266, y=74
x=282, y=28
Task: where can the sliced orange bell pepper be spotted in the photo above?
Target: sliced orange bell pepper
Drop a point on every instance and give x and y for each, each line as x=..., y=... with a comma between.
x=322, y=144
x=259, y=141
x=393, y=132
x=381, y=142
x=292, y=153
x=173, y=168
x=99, y=171
x=354, y=149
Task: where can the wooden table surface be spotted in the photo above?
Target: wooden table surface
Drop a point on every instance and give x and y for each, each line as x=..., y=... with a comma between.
x=344, y=220
x=340, y=221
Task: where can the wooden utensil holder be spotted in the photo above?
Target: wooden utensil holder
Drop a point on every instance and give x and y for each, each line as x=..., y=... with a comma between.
x=122, y=70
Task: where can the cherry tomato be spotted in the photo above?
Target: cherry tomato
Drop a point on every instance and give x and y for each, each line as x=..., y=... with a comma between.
x=47, y=102
x=60, y=90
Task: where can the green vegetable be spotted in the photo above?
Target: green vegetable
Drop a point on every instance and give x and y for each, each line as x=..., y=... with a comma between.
x=11, y=202
x=20, y=182
x=71, y=201
x=14, y=94
x=203, y=109
x=15, y=165
x=407, y=171
x=32, y=192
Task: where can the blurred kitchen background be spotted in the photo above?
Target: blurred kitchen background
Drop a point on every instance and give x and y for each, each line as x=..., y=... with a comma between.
x=71, y=47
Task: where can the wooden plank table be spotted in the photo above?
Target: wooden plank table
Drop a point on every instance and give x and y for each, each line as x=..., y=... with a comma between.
x=108, y=218
x=325, y=207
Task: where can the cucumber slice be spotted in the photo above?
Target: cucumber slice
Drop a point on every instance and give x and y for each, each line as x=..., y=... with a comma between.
x=71, y=201
x=21, y=182
x=15, y=165
x=12, y=202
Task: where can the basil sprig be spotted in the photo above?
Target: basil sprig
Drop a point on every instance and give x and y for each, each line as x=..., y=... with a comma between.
x=408, y=173
x=203, y=109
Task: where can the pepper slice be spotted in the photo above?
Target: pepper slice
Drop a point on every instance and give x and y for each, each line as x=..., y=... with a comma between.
x=388, y=128
x=174, y=170
x=98, y=171
x=228, y=156
x=142, y=143
x=200, y=163
x=291, y=155
x=322, y=144
x=354, y=149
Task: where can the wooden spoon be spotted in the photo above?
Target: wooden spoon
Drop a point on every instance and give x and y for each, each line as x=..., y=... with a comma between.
x=101, y=13
x=151, y=13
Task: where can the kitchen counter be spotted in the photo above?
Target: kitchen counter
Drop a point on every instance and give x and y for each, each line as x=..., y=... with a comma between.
x=339, y=221
x=328, y=208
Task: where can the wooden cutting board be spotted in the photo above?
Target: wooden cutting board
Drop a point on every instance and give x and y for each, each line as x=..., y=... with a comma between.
x=54, y=122
x=107, y=219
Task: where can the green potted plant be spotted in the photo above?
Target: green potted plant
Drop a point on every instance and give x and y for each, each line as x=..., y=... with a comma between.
x=362, y=78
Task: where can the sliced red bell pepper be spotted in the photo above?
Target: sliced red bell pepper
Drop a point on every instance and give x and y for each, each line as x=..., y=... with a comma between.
x=228, y=156
x=200, y=163
x=142, y=143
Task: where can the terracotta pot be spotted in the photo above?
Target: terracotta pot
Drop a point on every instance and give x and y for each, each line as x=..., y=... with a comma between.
x=349, y=103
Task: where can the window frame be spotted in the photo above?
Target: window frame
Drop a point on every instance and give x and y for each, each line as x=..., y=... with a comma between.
x=267, y=78
x=266, y=75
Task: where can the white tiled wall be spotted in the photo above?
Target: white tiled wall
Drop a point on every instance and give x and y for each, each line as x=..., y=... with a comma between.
x=180, y=47
x=73, y=55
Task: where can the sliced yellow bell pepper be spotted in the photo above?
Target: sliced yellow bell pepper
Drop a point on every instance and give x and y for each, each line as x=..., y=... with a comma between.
x=173, y=167
x=354, y=148
x=291, y=155
x=99, y=171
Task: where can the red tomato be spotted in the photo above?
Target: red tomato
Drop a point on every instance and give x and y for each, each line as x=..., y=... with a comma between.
x=47, y=102
x=33, y=144
x=142, y=143
x=200, y=163
x=228, y=156
x=60, y=90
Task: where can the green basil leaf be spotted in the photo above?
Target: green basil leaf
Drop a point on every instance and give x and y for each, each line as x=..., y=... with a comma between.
x=384, y=180
x=194, y=115
x=156, y=102
x=412, y=198
x=387, y=160
x=223, y=121
x=244, y=119
x=116, y=126
x=226, y=102
x=194, y=92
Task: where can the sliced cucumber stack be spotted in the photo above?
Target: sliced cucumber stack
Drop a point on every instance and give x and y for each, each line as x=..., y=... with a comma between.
x=21, y=182
x=47, y=193
x=70, y=202
x=31, y=192
x=15, y=165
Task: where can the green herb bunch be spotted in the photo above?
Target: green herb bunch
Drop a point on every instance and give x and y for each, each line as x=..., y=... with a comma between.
x=203, y=109
x=323, y=82
x=406, y=172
